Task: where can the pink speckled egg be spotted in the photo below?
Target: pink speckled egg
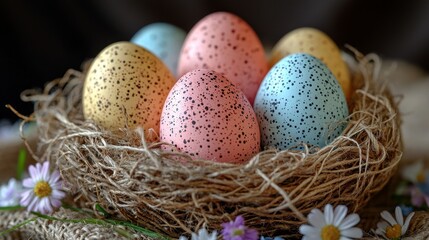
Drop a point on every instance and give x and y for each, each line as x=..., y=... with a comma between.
x=208, y=117
x=226, y=44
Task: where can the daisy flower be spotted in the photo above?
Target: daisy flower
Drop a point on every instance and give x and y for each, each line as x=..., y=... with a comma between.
x=203, y=234
x=415, y=173
x=42, y=190
x=332, y=224
x=392, y=228
x=270, y=238
x=420, y=195
x=419, y=190
x=10, y=193
x=236, y=230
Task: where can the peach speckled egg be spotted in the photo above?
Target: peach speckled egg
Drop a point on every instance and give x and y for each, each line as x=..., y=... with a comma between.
x=208, y=117
x=321, y=46
x=226, y=44
x=126, y=86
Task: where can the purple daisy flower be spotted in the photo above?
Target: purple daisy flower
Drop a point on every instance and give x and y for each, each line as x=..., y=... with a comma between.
x=10, y=193
x=236, y=230
x=42, y=190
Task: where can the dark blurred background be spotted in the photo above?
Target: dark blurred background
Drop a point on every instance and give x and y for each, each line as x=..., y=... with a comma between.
x=40, y=40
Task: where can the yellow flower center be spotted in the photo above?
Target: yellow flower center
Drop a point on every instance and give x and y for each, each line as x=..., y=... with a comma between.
x=42, y=189
x=330, y=232
x=421, y=176
x=394, y=232
x=237, y=232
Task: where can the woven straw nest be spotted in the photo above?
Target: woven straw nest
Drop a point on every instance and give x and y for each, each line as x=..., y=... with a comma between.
x=136, y=180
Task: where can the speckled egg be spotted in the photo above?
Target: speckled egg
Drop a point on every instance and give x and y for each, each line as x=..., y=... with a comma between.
x=208, y=117
x=126, y=86
x=318, y=44
x=162, y=39
x=226, y=44
x=300, y=101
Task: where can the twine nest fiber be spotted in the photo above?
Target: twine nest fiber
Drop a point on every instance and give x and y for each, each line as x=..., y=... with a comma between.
x=137, y=181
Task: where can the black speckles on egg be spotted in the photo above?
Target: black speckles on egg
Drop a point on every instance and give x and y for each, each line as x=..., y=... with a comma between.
x=126, y=86
x=300, y=101
x=225, y=43
x=319, y=45
x=208, y=117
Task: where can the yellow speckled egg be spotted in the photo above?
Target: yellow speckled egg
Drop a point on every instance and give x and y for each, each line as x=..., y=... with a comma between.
x=321, y=46
x=126, y=86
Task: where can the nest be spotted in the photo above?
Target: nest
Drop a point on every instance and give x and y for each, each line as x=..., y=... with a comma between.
x=136, y=180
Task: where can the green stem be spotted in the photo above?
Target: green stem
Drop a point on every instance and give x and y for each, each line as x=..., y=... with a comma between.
x=20, y=169
x=11, y=208
x=106, y=222
x=96, y=221
x=17, y=226
x=123, y=233
x=138, y=229
x=83, y=220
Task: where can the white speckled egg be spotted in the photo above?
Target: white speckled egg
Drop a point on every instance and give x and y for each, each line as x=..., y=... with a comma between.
x=208, y=117
x=318, y=44
x=300, y=101
x=126, y=86
x=162, y=39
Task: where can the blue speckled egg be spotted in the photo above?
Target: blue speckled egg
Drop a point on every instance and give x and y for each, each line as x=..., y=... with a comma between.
x=162, y=39
x=300, y=101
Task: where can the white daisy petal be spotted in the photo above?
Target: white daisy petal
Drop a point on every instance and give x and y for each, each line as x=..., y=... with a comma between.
x=58, y=185
x=407, y=223
x=33, y=172
x=26, y=197
x=345, y=238
x=398, y=215
x=388, y=217
x=28, y=183
x=352, y=232
x=183, y=238
x=56, y=203
x=55, y=177
x=379, y=231
x=58, y=194
x=309, y=230
x=382, y=225
x=340, y=213
x=202, y=233
x=316, y=218
x=43, y=201
x=349, y=221
x=47, y=206
x=32, y=206
x=311, y=238
x=39, y=169
x=329, y=214
x=45, y=171
x=213, y=236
